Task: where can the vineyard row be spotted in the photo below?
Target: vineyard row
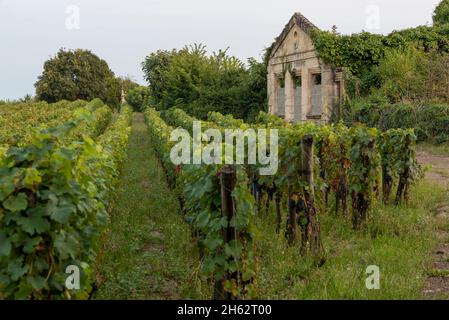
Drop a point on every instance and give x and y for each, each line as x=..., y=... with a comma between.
x=55, y=191
x=317, y=162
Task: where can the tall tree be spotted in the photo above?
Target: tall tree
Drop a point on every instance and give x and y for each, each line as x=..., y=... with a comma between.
x=441, y=13
x=77, y=74
x=197, y=82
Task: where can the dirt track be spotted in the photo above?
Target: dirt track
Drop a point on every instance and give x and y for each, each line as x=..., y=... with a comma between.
x=439, y=170
x=437, y=284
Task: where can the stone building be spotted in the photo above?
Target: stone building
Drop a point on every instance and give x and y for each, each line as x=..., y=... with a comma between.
x=301, y=86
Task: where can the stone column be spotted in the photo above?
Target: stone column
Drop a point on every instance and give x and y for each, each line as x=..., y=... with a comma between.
x=289, y=97
x=306, y=95
x=327, y=93
x=271, y=89
x=122, y=95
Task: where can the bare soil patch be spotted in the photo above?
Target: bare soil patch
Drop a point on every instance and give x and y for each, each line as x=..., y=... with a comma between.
x=437, y=283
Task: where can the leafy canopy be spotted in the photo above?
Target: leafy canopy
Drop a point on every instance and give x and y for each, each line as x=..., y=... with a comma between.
x=198, y=83
x=441, y=13
x=77, y=74
x=138, y=98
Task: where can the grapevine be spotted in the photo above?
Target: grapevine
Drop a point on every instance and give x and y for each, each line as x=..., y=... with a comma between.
x=53, y=200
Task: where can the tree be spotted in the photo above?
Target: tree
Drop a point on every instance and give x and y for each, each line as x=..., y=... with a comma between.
x=441, y=13
x=77, y=74
x=197, y=82
x=138, y=98
x=155, y=69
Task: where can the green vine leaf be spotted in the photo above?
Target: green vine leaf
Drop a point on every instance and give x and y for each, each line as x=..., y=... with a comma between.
x=62, y=214
x=16, y=203
x=16, y=269
x=37, y=282
x=35, y=222
x=5, y=245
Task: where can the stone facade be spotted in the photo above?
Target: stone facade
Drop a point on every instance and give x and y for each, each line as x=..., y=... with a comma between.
x=301, y=87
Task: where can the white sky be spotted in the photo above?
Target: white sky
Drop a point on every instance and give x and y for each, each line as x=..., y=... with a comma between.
x=124, y=32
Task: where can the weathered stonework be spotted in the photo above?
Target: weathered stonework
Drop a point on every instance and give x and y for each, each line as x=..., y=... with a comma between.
x=301, y=86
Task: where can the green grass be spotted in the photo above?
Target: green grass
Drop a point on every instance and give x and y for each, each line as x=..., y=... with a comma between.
x=440, y=149
x=439, y=273
x=398, y=240
x=147, y=252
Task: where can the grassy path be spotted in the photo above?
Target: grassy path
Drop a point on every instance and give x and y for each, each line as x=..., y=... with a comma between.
x=436, y=161
x=147, y=252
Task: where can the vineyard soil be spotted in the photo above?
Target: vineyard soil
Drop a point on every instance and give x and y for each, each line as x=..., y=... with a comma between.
x=435, y=159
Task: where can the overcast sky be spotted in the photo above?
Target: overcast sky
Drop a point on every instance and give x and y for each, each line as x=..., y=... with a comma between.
x=124, y=32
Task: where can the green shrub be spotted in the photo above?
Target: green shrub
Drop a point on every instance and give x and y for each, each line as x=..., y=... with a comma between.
x=361, y=53
x=139, y=98
x=430, y=121
x=94, y=105
x=401, y=76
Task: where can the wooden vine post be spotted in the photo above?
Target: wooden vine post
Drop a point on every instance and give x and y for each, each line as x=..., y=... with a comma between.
x=403, y=186
x=277, y=199
x=341, y=195
x=387, y=183
x=228, y=181
x=290, y=233
x=270, y=194
x=293, y=217
x=327, y=190
x=311, y=234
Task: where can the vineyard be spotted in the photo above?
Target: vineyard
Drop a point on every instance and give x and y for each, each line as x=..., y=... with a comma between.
x=342, y=199
x=58, y=169
x=276, y=163
x=350, y=170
